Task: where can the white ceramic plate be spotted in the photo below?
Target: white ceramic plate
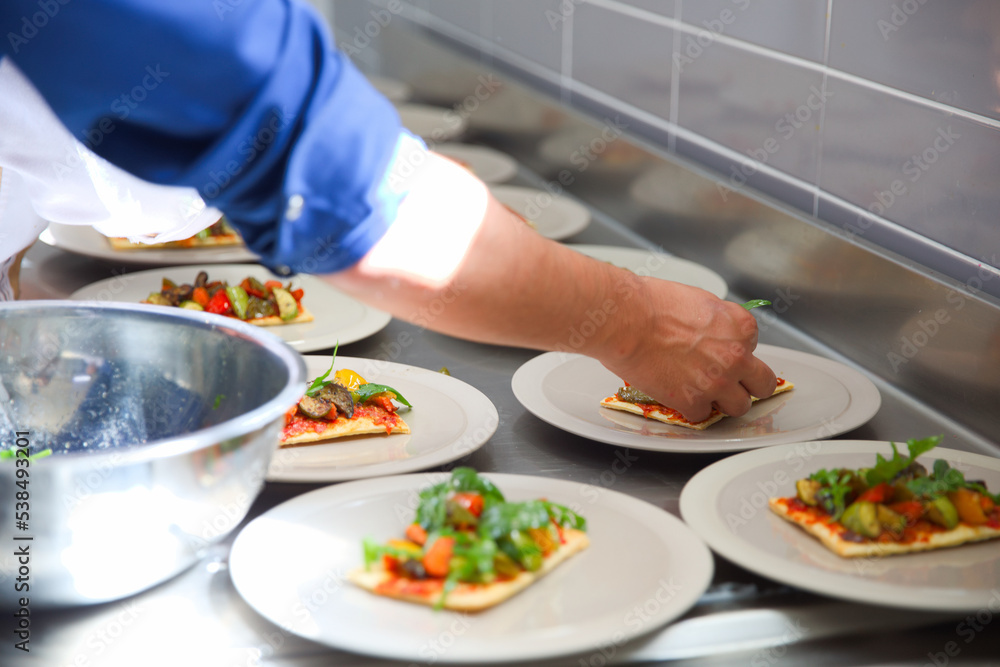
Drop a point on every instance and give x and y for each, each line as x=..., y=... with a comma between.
x=829, y=398
x=555, y=217
x=432, y=124
x=338, y=317
x=449, y=420
x=489, y=165
x=643, y=569
x=87, y=241
x=726, y=503
x=657, y=265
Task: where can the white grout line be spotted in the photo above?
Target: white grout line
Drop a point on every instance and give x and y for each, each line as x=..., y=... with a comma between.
x=675, y=79
x=567, y=59
x=613, y=5
x=822, y=111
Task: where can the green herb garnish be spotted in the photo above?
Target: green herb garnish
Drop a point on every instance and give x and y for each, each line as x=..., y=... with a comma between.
x=217, y=401
x=756, y=303
x=886, y=470
x=836, y=487
x=366, y=391
x=322, y=381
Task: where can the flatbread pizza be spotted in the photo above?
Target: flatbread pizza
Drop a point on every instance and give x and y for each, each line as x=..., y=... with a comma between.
x=218, y=234
x=262, y=304
x=895, y=507
x=346, y=405
x=469, y=549
x=630, y=399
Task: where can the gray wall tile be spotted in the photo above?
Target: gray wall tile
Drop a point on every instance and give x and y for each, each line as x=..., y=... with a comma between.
x=796, y=27
x=944, y=50
x=461, y=13
x=929, y=171
x=665, y=7
x=762, y=107
x=530, y=28
x=624, y=57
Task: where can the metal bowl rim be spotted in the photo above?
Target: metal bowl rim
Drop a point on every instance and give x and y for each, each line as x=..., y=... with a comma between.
x=227, y=430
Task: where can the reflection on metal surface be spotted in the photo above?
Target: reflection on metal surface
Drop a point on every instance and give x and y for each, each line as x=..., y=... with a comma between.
x=859, y=300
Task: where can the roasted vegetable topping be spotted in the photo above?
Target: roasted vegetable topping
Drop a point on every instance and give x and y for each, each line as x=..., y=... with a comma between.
x=250, y=300
x=630, y=394
x=884, y=500
x=470, y=533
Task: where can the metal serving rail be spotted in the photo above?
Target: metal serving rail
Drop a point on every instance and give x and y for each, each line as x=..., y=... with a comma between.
x=198, y=618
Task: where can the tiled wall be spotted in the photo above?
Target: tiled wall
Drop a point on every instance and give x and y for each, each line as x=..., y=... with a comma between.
x=881, y=117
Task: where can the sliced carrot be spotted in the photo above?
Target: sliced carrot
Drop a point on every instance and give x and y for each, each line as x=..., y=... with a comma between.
x=416, y=533
x=877, y=494
x=200, y=296
x=473, y=502
x=438, y=558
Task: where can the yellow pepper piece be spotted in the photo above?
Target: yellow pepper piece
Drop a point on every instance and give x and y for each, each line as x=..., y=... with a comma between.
x=349, y=379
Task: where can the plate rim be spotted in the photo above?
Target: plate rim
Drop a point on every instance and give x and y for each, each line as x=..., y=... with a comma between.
x=597, y=249
x=504, y=164
x=698, y=508
x=583, y=216
x=459, y=448
x=861, y=408
x=372, y=320
x=702, y=569
x=103, y=251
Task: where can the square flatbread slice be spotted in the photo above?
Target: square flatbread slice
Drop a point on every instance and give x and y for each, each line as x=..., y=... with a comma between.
x=303, y=316
x=670, y=416
x=300, y=430
x=836, y=538
x=465, y=597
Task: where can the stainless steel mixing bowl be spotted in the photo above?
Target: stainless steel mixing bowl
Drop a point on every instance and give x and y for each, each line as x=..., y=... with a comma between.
x=162, y=423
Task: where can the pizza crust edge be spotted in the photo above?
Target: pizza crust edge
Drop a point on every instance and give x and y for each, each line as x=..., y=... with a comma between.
x=615, y=403
x=830, y=537
x=477, y=597
x=342, y=428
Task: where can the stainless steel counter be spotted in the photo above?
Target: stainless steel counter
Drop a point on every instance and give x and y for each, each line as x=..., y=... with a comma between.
x=198, y=618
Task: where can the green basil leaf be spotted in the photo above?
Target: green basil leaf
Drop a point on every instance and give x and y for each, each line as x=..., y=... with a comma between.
x=756, y=303
x=366, y=391
x=321, y=382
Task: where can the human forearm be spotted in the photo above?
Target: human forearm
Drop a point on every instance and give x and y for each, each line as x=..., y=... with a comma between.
x=511, y=286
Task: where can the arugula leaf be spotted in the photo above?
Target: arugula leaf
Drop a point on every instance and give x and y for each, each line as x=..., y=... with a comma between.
x=885, y=470
x=366, y=391
x=756, y=303
x=374, y=551
x=432, y=511
x=321, y=381
x=503, y=519
x=945, y=480
x=832, y=497
x=564, y=516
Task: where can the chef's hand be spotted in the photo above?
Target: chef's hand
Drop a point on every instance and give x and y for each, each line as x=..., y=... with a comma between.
x=457, y=261
x=688, y=349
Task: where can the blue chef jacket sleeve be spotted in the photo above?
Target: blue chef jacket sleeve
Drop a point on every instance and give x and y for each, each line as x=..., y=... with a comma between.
x=245, y=100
